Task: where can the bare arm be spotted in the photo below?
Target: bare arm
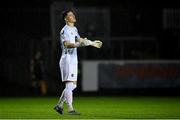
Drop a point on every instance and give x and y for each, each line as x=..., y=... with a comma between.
x=68, y=44
x=86, y=42
x=74, y=45
x=80, y=40
x=83, y=42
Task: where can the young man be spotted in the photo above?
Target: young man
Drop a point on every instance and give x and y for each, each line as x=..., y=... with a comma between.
x=70, y=41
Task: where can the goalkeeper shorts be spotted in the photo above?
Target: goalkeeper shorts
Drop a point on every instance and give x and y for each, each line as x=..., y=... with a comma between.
x=68, y=68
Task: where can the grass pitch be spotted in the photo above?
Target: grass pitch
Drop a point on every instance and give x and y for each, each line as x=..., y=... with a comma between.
x=92, y=108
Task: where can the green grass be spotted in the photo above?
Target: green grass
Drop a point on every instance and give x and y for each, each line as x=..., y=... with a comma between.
x=93, y=108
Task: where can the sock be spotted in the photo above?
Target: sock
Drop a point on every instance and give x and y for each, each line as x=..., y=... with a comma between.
x=62, y=99
x=69, y=97
x=70, y=86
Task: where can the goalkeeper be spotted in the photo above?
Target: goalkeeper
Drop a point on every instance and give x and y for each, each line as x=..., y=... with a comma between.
x=70, y=41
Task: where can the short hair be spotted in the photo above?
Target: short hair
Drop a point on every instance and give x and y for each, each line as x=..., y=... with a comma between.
x=64, y=13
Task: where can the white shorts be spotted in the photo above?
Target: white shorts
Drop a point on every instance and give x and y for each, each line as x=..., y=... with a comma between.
x=68, y=68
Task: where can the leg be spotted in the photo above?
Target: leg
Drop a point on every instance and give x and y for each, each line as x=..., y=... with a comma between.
x=62, y=99
x=68, y=72
x=67, y=96
x=35, y=86
x=59, y=106
x=43, y=87
x=70, y=86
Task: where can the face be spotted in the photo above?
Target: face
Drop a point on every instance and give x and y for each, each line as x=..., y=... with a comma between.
x=70, y=17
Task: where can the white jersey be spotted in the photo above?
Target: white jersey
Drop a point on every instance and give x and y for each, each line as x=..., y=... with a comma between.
x=69, y=60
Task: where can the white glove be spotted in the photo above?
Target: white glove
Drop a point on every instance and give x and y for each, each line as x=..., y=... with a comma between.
x=97, y=44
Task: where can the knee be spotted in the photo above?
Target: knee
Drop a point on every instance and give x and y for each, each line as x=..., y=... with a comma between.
x=70, y=86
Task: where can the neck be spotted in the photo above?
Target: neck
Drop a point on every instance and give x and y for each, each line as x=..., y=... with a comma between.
x=70, y=24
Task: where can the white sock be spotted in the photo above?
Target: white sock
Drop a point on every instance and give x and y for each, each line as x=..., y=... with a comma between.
x=69, y=97
x=70, y=86
x=62, y=99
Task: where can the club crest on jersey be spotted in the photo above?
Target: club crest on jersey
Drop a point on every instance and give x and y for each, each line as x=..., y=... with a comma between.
x=72, y=75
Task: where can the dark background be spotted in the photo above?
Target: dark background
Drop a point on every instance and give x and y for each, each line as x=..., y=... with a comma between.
x=25, y=27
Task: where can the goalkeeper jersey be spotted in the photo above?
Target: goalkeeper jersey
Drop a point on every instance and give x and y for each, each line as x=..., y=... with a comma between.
x=69, y=34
